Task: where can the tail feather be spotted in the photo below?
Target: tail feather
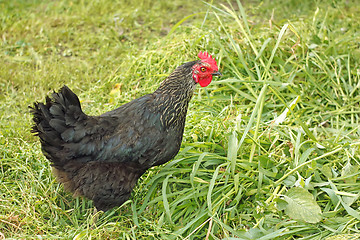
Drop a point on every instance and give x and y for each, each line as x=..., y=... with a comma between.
x=55, y=122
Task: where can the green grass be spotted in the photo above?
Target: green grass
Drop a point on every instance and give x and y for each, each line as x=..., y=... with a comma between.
x=270, y=150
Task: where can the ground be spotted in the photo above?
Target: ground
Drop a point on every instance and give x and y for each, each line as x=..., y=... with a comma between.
x=270, y=150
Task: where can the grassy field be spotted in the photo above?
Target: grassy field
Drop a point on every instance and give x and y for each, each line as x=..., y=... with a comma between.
x=270, y=150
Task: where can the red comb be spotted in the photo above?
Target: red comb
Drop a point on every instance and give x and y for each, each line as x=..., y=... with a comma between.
x=205, y=57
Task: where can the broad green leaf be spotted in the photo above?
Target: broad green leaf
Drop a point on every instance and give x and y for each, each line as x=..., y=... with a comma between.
x=281, y=204
x=302, y=205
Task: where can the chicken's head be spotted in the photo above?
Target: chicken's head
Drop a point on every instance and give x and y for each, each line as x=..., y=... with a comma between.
x=204, y=71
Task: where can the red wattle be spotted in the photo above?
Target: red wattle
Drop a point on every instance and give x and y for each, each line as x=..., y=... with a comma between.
x=205, y=81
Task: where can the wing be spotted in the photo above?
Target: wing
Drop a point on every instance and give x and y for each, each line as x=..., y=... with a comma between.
x=130, y=133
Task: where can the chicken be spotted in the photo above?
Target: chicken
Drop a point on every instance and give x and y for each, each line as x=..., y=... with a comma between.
x=102, y=157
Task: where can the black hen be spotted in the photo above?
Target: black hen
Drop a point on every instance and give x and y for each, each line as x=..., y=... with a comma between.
x=102, y=157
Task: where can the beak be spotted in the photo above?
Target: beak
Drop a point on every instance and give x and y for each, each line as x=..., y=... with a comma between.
x=217, y=73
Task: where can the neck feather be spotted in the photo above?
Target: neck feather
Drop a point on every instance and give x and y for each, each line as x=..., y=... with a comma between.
x=174, y=95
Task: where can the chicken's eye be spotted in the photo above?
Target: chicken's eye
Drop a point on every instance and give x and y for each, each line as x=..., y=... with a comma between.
x=203, y=69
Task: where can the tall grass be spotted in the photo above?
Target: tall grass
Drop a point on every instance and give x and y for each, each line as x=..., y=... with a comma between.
x=270, y=150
